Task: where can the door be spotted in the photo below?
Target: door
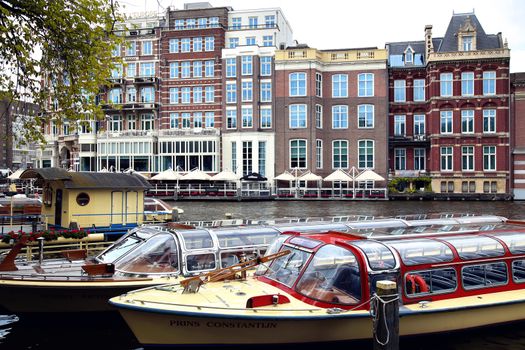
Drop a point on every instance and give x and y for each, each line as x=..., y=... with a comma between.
x=58, y=208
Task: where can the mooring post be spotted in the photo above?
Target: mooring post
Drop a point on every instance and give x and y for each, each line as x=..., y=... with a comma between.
x=386, y=322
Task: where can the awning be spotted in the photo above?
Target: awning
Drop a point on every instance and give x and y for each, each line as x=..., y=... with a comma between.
x=225, y=175
x=197, y=175
x=338, y=175
x=369, y=175
x=286, y=176
x=16, y=174
x=169, y=174
x=253, y=177
x=309, y=176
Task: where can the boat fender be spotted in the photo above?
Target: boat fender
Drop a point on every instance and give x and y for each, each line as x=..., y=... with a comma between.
x=417, y=284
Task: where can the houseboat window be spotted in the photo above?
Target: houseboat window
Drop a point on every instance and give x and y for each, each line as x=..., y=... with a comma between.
x=476, y=247
x=486, y=275
x=304, y=242
x=196, y=239
x=159, y=254
x=378, y=255
x=241, y=238
x=518, y=271
x=272, y=249
x=514, y=240
x=286, y=269
x=434, y=281
x=199, y=262
x=120, y=248
x=82, y=199
x=422, y=251
x=332, y=276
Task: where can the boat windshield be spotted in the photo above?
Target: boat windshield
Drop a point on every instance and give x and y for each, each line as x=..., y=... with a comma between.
x=379, y=257
x=332, y=276
x=196, y=239
x=123, y=246
x=476, y=247
x=422, y=251
x=236, y=237
x=514, y=240
x=287, y=268
x=159, y=254
x=272, y=249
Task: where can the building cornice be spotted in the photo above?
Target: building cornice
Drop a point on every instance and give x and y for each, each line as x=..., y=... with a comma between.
x=468, y=55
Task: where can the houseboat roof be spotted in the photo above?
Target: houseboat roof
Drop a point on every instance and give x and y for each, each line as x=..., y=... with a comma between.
x=88, y=180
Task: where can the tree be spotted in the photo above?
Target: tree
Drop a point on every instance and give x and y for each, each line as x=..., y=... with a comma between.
x=56, y=54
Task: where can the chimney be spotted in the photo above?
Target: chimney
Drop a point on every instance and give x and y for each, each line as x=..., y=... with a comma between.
x=429, y=47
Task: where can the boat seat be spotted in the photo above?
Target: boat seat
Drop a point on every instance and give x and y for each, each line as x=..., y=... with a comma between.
x=348, y=280
x=229, y=260
x=99, y=269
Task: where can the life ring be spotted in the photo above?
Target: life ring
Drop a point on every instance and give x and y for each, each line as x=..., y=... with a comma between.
x=417, y=284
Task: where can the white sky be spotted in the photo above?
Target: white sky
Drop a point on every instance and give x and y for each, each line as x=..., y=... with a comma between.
x=334, y=24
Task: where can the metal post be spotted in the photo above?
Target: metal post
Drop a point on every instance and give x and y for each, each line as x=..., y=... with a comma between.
x=40, y=250
x=386, y=321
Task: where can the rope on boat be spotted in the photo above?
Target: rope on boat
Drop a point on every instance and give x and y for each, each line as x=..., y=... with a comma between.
x=374, y=305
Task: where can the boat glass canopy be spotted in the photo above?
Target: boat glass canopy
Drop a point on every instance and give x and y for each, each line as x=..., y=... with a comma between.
x=125, y=244
x=378, y=255
x=422, y=251
x=287, y=268
x=273, y=248
x=515, y=241
x=475, y=247
x=240, y=237
x=196, y=239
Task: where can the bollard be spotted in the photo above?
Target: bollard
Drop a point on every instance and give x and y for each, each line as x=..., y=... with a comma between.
x=40, y=249
x=386, y=321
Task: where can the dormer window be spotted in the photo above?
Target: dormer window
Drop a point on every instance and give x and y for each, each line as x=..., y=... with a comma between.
x=467, y=43
x=409, y=55
x=467, y=36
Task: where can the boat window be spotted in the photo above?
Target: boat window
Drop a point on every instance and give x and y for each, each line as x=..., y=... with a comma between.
x=272, y=249
x=196, y=239
x=286, y=269
x=515, y=241
x=435, y=281
x=313, y=227
x=199, y=262
x=120, y=248
x=159, y=254
x=518, y=271
x=476, y=247
x=305, y=242
x=332, y=276
x=422, y=251
x=486, y=275
x=245, y=237
x=378, y=255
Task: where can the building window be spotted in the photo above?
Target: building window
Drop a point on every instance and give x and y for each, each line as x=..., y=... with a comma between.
x=266, y=65
x=266, y=118
x=246, y=157
x=131, y=49
x=231, y=92
x=409, y=55
x=318, y=85
x=467, y=121
x=197, y=120
x=209, y=43
x=319, y=116
x=185, y=45
x=131, y=95
x=236, y=23
x=131, y=70
x=489, y=120
x=186, y=120
x=467, y=43
x=197, y=94
x=247, y=117
x=490, y=187
x=147, y=94
x=400, y=159
x=269, y=21
x=185, y=95
x=298, y=154
x=174, y=120
x=262, y=158
x=339, y=117
x=365, y=116
x=399, y=91
x=399, y=125
x=489, y=158
x=446, y=122
x=365, y=84
x=197, y=44
x=234, y=156
x=319, y=154
x=179, y=24
x=446, y=159
x=210, y=94
x=185, y=69
x=468, y=186
x=467, y=84
x=297, y=116
x=115, y=51
x=174, y=46
x=252, y=22
x=489, y=83
x=268, y=40
x=340, y=154
x=147, y=69
x=132, y=122
x=250, y=40
x=147, y=122
x=419, y=124
x=197, y=69
x=340, y=85
x=190, y=23
x=247, y=66
x=467, y=158
x=447, y=186
x=419, y=158
x=202, y=22
x=366, y=154
x=419, y=90
x=210, y=119
x=231, y=118
x=231, y=68
x=233, y=43
x=297, y=84
x=209, y=69
x=445, y=84
x=174, y=95
x=266, y=91
x=174, y=70
x=247, y=91
x=115, y=124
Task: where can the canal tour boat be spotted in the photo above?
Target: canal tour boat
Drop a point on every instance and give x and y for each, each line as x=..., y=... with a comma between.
x=158, y=254
x=319, y=287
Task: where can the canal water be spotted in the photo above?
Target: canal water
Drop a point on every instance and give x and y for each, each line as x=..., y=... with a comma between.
x=110, y=332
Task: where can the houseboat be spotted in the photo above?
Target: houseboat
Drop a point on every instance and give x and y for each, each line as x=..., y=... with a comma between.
x=159, y=254
x=319, y=288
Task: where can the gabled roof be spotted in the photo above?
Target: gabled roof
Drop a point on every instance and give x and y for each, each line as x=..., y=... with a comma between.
x=483, y=41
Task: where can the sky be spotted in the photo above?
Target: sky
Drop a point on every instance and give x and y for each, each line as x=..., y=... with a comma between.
x=336, y=24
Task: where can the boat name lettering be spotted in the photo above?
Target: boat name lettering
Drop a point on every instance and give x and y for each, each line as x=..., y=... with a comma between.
x=218, y=324
x=179, y=323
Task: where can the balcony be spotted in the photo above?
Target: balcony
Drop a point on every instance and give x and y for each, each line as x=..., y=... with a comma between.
x=189, y=132
x=409, y=140
x=254, y=27
x=116, y=81
x=127, y=133
x=145, y=80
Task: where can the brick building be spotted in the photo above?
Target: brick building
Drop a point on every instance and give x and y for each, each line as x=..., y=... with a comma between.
x=518, y=137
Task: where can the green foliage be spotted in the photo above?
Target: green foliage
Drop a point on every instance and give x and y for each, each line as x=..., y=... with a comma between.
x=56, y=54
x=410, y=184
x=48, y=235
